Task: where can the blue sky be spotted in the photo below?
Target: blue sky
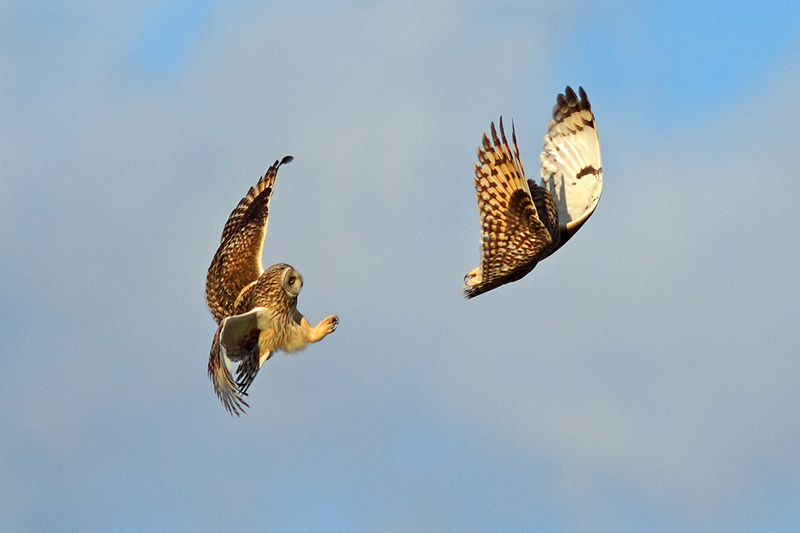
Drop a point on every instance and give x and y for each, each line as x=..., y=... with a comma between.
x=644, y=378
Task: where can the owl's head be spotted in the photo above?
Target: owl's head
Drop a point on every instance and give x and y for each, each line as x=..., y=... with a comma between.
x=278, y=285
x=277, y=288
x=282, y=279
x=291, y=281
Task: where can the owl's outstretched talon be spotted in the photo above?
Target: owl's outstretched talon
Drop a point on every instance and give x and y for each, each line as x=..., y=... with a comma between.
x=256, y=309
x=522, y=222
x=333, y=323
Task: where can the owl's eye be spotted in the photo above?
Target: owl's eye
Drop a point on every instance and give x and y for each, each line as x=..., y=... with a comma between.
x=292, y=279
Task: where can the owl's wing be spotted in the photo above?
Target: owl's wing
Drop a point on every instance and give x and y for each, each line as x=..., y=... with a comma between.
x=240, y=335
x=572, y=169
x=236, y=341
x=220, y=370
x=238, y=259
x=240, y=332
x=513, y=236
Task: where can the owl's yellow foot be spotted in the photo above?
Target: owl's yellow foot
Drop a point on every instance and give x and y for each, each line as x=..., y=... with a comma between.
x=318, y=332
x=473, y=277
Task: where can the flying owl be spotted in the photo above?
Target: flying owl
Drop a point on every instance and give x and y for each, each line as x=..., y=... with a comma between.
x=256, y=309
x=522, y=222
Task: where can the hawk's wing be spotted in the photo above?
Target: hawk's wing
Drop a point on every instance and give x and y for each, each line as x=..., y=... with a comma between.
x=571, y=166
x=238, y=259
x=513, y=236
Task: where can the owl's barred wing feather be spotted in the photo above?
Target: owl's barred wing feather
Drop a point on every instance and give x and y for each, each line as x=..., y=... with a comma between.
x=571, y=164
x=248, y=370
x=237, y=261
x=236, y=341
x=513, y=235
x=219, y=370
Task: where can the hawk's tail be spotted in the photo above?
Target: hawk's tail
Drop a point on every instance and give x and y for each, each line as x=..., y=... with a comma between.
x=219, y=370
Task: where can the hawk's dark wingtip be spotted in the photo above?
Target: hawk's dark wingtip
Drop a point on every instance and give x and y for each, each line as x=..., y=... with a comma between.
x=287, y=159
x=470, y=291
x=580, y=98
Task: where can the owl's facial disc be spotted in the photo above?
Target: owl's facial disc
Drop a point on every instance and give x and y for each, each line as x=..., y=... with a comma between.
x=292, y=281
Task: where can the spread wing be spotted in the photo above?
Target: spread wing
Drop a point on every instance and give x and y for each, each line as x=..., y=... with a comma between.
x=236, y=341
x=238, y=259
x=219, y=370
x=513, y=235
x=572, y=169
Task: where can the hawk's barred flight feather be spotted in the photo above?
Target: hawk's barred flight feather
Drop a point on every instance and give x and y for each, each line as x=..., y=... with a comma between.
x=523, y=222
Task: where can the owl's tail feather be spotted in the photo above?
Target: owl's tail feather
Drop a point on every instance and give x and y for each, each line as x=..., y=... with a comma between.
x=219, y=370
